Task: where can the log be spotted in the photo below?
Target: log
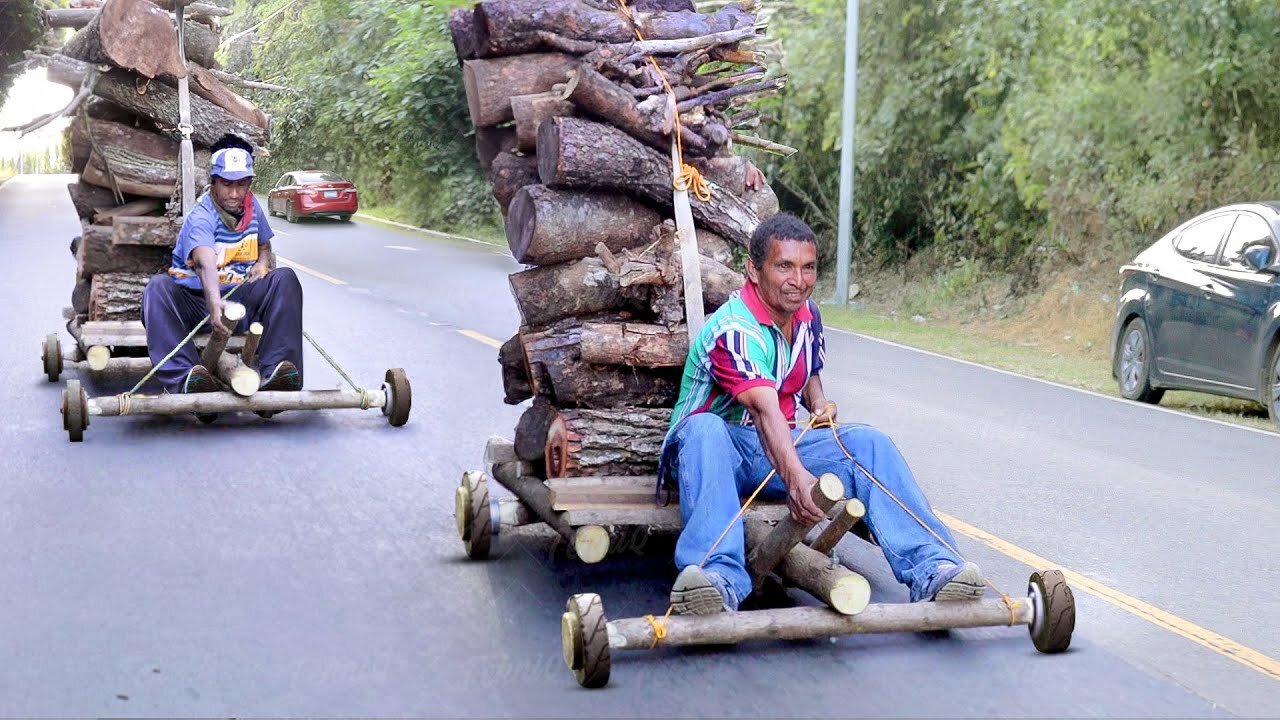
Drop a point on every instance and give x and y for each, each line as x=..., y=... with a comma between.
x=533, y=427
x=232, y=312
x=249, y=353
x=658, y=268
x=533, y=493
x=117, y=296
x=74, y=18
x=765, y=555
x=636, y=344
x=515, y=376
x=141, y=162
x=591, y=543
x=845, y=591
x=509, y=173
x=205, y=84
x=242, y=380
x=490, y=84
x=200, y=42
x=95, y=253
x=621, y=441
x=89, y=199
x=493, y=142
x=529, y=111
x=573, y=152
x=130, y=34
x=510, y=27
x=80, y=296
x=552, y=292
x=604, y=99
x=556, y=370
x=846, y=515
x=159, y=102
x=730, y=172
x=546, y=226
x=462, y=30
x=220, y=402
x=151, y=231
x=133, y=208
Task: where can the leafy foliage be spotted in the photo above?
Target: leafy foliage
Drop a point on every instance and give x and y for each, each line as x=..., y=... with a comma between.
x=19, y=32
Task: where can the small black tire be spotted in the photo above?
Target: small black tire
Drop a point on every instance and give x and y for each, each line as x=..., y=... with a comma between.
x=584, y=638
x=75, y=411
x=51, y=356
x=1133, y=362
x=472, y=515
x=400, y=402
x=1055, y=611
x=290, y=214
x=344, y=217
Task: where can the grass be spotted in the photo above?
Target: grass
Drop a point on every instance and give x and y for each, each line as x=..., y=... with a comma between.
x=395, y=213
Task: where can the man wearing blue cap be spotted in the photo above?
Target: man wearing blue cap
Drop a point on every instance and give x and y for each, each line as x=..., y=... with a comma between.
x=225, y=241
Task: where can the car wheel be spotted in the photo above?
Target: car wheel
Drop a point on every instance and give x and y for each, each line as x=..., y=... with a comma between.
x=345, y=217
x=289, y=213
x=1133, y=363
x=1271, y=386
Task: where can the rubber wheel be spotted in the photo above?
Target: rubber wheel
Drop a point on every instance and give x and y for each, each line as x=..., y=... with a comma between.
x=401, y=400
x=584, y=637
x=1133, y=363
x=51, y=356
x=344, y=218
x=1055, y=611
x=75, y=411
x=471, y=513
x=289, y=213
x=1271, y=385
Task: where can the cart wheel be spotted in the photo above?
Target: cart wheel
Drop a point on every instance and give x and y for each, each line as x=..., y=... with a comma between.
x=471, y=513
x=75, y=411
x=399, y=397
x=584, y=637
x=1055, y=611
x=51, y=355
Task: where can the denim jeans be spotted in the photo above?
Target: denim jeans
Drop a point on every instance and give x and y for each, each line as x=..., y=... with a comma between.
x=716, y=463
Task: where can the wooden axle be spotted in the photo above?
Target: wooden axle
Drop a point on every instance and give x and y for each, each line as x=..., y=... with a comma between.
x=788, y=533
x=847, y=515
x=805, y=623
x=219, y=402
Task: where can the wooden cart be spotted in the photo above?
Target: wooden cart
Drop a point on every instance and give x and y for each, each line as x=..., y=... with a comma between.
x=593, y=514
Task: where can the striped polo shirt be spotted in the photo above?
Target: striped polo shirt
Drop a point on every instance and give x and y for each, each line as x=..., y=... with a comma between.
x=236, y=247
x=740, y=348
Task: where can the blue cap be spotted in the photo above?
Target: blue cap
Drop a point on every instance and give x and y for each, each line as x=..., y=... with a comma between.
x=231, y=164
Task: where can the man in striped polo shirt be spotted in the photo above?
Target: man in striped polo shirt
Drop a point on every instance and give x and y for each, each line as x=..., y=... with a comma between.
x=225, y=241
x=758, y=356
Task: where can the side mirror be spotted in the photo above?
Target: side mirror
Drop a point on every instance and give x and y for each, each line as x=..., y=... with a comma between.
x=1258, y=257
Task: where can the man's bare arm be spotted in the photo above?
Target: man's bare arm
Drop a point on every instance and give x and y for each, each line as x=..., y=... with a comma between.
x=815, y=401
x=206, y=262
x=775, y=437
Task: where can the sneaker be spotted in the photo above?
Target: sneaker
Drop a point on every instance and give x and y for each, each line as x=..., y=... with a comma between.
x=200, y=380
x=700, y=592
x=284, y=377
x=957, y=582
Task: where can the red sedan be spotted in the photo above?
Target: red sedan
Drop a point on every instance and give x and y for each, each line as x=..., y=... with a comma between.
x=312, y=192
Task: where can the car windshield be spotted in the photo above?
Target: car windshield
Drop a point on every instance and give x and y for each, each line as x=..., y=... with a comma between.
x=316, y=177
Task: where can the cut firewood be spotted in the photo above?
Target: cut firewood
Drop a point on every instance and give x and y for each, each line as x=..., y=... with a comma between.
x=621, y=441
x=551, y=292
x=89, y=199
x=509, y=173
x=462, y=30
x=135, y=208
x=546, y=226
x=637, y=344
x=557, y=371
x=117, y=296
x=96, y=254
x=531, y=430
x=492, y=142
x=205, y=84
x=155, y=231
x=515, y=376
x=606, y=100
x=530, y=110
x=490, y=84
x=130, y=34
x=847, y=592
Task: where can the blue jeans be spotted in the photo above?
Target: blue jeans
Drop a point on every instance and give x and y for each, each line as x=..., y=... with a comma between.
x=716, y=463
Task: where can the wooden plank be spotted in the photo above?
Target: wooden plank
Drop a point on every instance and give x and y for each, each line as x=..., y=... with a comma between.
x=131, y=333
x=666, y=518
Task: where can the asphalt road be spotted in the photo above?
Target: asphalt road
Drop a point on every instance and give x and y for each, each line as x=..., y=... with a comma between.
x=308, y=565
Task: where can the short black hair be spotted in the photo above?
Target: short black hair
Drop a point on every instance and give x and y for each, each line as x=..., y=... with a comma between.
x=783, y=226
x=231, y=141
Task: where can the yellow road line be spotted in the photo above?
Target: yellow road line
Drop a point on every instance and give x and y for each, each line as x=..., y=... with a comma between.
x=481, y=338
x=309, y=271
x=1224, y=646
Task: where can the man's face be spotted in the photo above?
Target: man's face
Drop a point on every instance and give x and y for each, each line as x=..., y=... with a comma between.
x=229, y=194
x=787, y=278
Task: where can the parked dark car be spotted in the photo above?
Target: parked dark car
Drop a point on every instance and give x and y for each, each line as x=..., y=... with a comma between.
x=307, y=193
x=1200, y=310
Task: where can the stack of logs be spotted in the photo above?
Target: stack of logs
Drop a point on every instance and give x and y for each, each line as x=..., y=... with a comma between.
x=124, y=63
x=574, y=125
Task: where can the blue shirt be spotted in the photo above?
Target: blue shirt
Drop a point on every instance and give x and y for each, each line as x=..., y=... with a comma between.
x=236, y=248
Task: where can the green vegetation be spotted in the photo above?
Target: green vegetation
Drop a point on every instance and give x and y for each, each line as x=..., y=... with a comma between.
x=19, y=31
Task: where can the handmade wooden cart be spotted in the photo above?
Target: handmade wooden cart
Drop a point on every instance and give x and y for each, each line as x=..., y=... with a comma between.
x=595, y=513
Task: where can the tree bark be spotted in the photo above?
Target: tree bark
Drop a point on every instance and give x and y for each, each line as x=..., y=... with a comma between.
x=492, y=142
x=622, y=441
x=529, y=111
x=462, y=30
x=152, y=231
x=551, y=292
x=510, y=27
x=730, y=172
x=143, y=163
x=80, y=297
x=579, y=153
x=532, y=428
x=546, y=226
x=490, y=84
x=658, y=269
x=209, y=87
x=89, y=199
x=515, y=376
x=509, y=173
x=96, y=254
x=130, y=34
x=636, y=344
x=200, y=42
x=557, y=371
x=117, y=296
x=133, y=208
x=605, y=100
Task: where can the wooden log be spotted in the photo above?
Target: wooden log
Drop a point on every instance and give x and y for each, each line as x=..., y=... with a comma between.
x=98, y=358
x=74, y=18
x=730, y=172
x=242, y=380
x=249, y=353
x=515, y=376
x=556, y=370
x=650, y=123
x=808, y=623
x=159, y=102
x=96, y=254
x=89, y=199
x=493, y=142
x=620, y=441
x=232, y=312
x=150, y=231
x=573, y=152
x=529, y=111
x=533, y=493
x=130, y=34
x=117, y=296
x=510, y=172
x=490, y=84
x=769, y=552
x=546, y=226
x=584, y=491
x=220, y=402
x=533, y=427
x=462, y=30
x=591, y=543
x=658, y=268
x=80, y=296
x=845, y=591
x=846, y=515
x=636, y=344
x=510, y=27
x=140, y=162
x=201, y=44
x=131, y=209
x=205, y=84
x=552, y=292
